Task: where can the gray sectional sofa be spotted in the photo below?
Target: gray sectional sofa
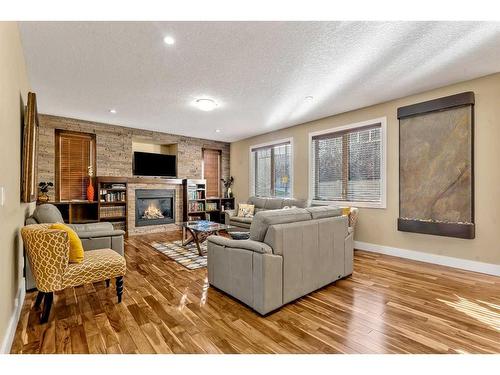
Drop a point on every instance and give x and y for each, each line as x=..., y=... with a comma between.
x=94, y=235
x=290, y=253
x=261, y=204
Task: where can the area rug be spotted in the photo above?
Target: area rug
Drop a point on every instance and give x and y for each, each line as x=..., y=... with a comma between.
x=185, y=255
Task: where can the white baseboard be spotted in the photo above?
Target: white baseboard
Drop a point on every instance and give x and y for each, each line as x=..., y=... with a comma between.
x=464, y=264
x=14, y=319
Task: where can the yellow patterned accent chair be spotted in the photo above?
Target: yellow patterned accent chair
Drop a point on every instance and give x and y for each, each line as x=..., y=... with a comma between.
x=48, y=255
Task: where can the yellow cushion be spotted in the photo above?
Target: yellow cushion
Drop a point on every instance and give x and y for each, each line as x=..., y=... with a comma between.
x=246, y=210
x=346, y=211
x=75, y=244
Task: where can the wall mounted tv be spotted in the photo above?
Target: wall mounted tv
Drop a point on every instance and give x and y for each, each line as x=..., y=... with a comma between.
x=149, y=164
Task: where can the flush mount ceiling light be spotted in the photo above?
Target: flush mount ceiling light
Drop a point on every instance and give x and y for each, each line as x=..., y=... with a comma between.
x=309, y=98
x=112, y=110
x=169, y=40
x=217, y=130
x=205, y=104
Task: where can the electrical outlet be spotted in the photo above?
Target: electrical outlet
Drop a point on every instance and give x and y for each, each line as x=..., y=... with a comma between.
x=2, y=196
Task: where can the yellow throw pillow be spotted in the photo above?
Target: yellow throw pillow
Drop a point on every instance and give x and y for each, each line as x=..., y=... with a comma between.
x=75, y=243
x=346, y=211
x=246, y=210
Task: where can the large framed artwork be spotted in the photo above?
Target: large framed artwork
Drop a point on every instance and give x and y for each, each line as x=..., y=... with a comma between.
x=436, y=167
x=29, y=151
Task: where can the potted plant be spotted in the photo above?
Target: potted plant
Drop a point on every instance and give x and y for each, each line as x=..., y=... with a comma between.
x=227, y=186
x=44, y=188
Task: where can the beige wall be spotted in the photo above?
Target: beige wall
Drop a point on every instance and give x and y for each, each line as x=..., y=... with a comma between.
x=14, y=90
x=378, y=226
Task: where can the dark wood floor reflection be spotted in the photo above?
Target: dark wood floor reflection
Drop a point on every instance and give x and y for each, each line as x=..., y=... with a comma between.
x=389, y=305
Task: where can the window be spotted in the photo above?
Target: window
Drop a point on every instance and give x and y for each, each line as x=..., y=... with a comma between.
x=75, y=152
x=348, y=164
x=271, y=169
x=211, y=171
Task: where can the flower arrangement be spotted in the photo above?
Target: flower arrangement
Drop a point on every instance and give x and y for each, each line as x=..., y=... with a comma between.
x=44, y=188
x=227, y=185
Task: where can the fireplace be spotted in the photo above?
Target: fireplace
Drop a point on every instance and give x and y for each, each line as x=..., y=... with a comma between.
x=154, y=207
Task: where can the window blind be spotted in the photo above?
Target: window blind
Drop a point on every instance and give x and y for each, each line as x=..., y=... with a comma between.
x=272, y=170
x=75, y=152
x=211, y=171
x=347, y=165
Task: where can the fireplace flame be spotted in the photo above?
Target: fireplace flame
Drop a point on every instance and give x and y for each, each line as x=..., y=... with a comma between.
x=152, y=212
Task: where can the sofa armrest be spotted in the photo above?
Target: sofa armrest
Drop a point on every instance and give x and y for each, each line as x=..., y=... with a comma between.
x=97, y=234
x=228, y=214
x=255, y=246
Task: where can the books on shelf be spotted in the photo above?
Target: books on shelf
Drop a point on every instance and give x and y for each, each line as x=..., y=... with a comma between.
x=196, y=206
x=112, y=211
x=112, y=196
x=211, y=206
x=196, y=194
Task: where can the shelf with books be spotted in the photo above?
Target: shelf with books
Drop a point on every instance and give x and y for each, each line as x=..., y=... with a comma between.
x=112, y=201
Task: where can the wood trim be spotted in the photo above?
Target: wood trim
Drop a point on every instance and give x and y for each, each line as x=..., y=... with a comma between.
x=457, y=100
x=29, y=166
x=219, y=170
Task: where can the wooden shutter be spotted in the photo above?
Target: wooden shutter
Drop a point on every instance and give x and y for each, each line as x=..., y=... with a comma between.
x=211, y=171
x=75, y=152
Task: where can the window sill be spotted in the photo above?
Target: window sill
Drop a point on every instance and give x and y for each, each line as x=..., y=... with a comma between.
x=381, y=205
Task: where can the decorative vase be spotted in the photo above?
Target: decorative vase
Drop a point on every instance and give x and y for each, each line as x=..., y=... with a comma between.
x=90, y=191
x=228, y=193
x=43, y=197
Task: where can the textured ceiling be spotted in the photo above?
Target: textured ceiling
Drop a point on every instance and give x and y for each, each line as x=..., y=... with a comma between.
x=258, y=72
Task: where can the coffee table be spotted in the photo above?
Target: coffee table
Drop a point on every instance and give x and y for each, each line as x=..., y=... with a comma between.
x=199, y=231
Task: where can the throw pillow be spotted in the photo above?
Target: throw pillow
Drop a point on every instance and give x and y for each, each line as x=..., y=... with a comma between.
x=75, y=244
x=245, y=210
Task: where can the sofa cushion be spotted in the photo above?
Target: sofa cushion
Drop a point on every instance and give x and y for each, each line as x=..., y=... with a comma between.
x=238, y=219
x=274, y=204
x=263, y=220
x=320, y=212
x=47, y=213
x=241, y=222
x=256, y=210
x=258, y=202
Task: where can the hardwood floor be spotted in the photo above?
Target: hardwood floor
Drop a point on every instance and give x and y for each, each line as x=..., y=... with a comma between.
x=388, y=305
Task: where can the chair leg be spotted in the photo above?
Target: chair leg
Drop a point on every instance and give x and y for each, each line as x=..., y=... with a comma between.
x=107, y=283
x=47, y=305
x=119, y=288
x=39, y=298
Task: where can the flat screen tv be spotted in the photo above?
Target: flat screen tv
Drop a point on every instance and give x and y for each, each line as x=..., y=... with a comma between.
x=149, y=164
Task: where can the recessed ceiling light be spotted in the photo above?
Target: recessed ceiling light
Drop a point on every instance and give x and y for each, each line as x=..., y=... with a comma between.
x=309, y=98
x=206, y=104
x=169, y=40
x=217, y=130
x=112, y=110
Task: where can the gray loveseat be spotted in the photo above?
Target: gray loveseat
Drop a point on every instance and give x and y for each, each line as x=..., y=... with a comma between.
x=290, y=253
x=261, y=204
x=94, y=235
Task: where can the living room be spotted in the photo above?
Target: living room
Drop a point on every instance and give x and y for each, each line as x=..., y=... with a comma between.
x=155, y=201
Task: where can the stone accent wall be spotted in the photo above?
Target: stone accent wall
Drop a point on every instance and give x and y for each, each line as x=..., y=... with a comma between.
x=114, y=148
x=132, y=229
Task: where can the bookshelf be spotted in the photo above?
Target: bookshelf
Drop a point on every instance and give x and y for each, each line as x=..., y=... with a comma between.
x=112, y=201
x=196, y=206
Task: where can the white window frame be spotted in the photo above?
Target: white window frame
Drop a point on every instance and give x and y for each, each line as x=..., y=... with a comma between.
x=383, y=164
x=251, y=163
